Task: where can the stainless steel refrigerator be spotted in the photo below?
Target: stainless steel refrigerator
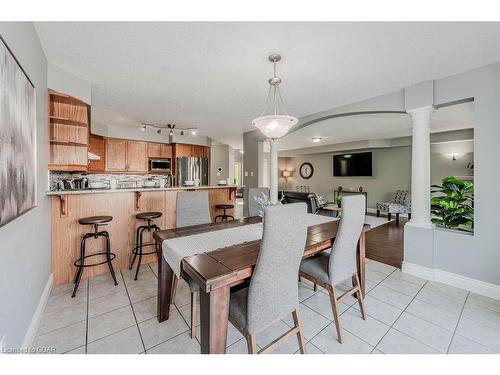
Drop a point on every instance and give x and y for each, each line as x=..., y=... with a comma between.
x=192, y=169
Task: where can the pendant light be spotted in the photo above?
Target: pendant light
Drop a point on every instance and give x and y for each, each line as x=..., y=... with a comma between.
x=273, y=122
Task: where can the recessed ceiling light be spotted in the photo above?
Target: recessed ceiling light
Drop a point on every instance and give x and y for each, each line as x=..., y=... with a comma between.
x=316, y=139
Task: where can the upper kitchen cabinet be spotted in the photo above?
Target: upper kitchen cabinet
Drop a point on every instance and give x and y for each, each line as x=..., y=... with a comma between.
x=68, y=131
x=126, y=156
x=137, y=156
x=116, y=154
x=97, y=145
x=181, y=149
x=159, y=151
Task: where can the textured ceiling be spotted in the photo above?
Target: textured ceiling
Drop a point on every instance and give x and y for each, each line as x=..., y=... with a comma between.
x=214, y=75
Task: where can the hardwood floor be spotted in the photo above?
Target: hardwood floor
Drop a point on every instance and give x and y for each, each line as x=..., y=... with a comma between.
x=385, y=243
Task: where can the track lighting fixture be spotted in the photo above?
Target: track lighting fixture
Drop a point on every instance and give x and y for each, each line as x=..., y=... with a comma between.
x=171, y=127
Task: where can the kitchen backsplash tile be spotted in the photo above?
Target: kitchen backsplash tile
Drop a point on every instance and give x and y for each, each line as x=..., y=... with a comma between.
x=130, y=180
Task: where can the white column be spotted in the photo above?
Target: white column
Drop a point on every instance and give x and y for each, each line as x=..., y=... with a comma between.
x=421, y=166
x=274, y=171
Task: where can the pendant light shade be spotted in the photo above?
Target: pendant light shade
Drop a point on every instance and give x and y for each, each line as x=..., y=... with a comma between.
x=273, y=122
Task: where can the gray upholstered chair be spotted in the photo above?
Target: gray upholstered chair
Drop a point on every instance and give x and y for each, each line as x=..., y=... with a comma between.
x=273, y=290
x=192, y=209
x=253, y=207
x=338, y=264
x=400, y=205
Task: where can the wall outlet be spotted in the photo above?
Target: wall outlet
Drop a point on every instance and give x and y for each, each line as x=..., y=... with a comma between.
x=3, y=344
x=246, y=173
x=251, y=174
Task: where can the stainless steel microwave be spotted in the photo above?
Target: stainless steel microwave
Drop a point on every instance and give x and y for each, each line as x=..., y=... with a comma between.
x=159, y=165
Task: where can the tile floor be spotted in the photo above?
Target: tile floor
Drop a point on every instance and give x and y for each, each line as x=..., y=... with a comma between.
x=405, y=315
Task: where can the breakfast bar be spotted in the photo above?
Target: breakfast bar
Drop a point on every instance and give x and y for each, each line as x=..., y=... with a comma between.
x=67, y=207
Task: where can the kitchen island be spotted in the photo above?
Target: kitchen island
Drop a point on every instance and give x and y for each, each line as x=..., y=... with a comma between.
x=68, y=206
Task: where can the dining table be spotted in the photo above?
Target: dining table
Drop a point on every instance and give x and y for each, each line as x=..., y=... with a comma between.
x=218, y=270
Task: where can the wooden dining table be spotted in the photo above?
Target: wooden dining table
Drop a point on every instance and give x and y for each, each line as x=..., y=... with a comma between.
x=216, y=272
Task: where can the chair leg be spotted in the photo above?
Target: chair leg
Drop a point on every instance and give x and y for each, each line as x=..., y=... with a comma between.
x=108, y=256
x=174, y=289
x=300, y=336
x=335, y=310
x=397, y=219
x=315, y=287
x=360, y=298
x=193, y=315
x=378, y=213
x=409, y=215
x=251, y=343
x=389, y=216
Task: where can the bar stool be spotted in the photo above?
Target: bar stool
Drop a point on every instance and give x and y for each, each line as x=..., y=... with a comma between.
x=95, y=221
x=137, y=250
x=224, y=207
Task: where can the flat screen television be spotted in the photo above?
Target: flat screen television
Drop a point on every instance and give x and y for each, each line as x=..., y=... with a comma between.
x=352, y=164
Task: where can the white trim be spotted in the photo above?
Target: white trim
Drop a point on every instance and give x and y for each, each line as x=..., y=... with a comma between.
x=37, y=316
x=453, y=279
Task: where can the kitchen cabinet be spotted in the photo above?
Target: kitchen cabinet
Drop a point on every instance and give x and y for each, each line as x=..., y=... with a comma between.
x=126, y=156
x=137, y=156
x=159, y=151
x=181, y=149
x=116, y=154
x=97, y=146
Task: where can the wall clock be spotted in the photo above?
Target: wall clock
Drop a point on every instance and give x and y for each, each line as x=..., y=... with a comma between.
x=306, y=170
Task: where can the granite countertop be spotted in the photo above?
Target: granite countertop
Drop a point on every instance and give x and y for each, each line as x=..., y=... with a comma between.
x=141, y=189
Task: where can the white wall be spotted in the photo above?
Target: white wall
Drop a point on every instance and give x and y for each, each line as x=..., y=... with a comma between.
x=25, y=242
x=62, y=81
x=391, y=171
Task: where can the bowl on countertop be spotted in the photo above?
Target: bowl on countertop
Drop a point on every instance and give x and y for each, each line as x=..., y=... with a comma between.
x=189, y=183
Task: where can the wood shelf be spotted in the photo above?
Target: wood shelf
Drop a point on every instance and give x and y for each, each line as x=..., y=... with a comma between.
x=75, y=144
x=68, y=121
x=67, y=167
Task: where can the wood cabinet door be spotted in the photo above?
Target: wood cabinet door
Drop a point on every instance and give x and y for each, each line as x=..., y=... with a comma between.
x=182, y=149
x=137, y=156
x=116, y=154
x=97, y=147
x=166, y=151
x=154, y=150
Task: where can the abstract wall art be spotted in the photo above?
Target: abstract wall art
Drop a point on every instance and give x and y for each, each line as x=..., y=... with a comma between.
x=17, y=138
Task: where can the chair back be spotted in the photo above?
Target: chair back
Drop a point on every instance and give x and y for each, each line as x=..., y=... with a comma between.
x=342, y=263
x=253, y=207
x=273, y=290
x=192, y=208
x=402, y=197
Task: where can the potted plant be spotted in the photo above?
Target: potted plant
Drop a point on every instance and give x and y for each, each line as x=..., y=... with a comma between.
x=339, y=201
x=454, y=209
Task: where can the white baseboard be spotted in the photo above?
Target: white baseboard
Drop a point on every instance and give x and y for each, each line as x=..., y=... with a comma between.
x=453, y=279
x=37, y=316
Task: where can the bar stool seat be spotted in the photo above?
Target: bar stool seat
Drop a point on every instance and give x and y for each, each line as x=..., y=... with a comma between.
x=224, y=207
x=80, y=264
x=139, y=244
x=148, y=215
x=95, y=220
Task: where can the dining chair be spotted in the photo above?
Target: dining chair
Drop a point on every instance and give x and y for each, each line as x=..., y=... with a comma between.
x=253, y=207
x=338, y=264
x=273, y=290
x=192, y=209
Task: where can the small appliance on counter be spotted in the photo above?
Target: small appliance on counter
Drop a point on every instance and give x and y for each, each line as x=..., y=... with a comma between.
x=222, y=183
x=81, y=183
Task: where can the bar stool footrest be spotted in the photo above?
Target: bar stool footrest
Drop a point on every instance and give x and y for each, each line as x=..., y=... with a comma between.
x=135, y=249
x=78, y=261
